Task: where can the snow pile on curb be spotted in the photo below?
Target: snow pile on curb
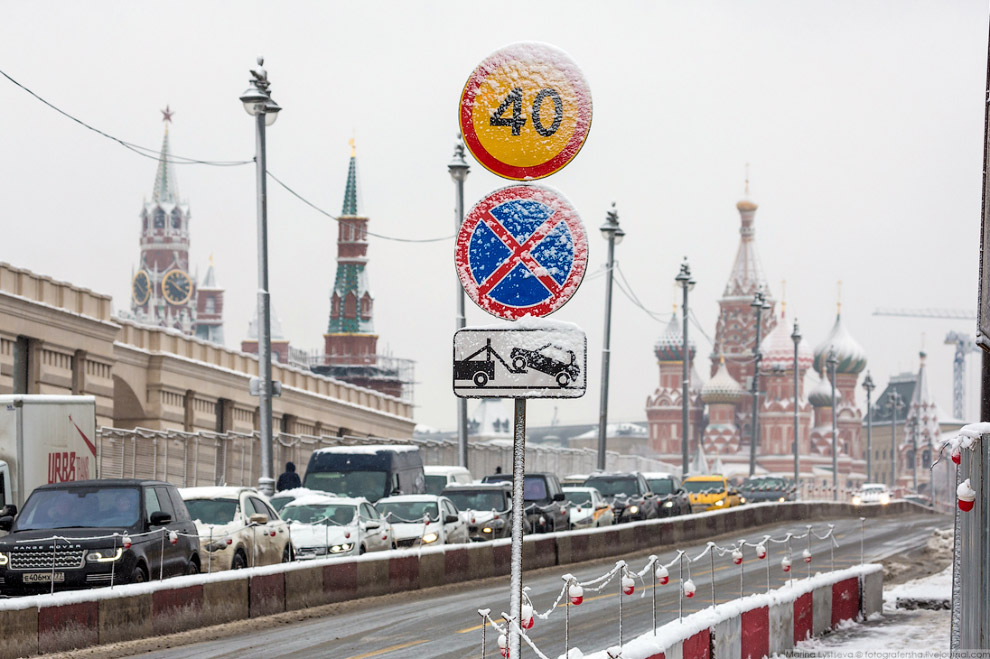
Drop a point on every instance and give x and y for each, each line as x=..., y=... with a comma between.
x=932, y=592
x=648, y=645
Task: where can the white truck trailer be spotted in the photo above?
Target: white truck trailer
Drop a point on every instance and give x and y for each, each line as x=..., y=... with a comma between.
x=45, y=439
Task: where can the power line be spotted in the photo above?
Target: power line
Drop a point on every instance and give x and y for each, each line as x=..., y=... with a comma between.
x=337, y=219
x=154, y=154
x=627, y=290
x=140, y=150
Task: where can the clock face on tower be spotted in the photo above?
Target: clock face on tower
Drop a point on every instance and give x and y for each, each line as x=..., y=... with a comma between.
x=140, y=288
x=176, y=287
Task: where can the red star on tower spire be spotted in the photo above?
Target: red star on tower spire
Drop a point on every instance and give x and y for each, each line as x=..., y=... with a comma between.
x=167, y=114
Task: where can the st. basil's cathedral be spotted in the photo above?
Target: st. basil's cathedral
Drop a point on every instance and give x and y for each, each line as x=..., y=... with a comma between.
x=720, y=411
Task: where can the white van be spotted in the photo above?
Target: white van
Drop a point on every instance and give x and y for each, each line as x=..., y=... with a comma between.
x=440, y=476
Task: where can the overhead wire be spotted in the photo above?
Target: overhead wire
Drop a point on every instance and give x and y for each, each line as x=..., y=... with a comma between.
x=136, y=148
x=155, y=154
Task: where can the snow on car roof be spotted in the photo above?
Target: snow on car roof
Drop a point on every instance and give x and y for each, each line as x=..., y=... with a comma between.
x=297, y=492
x=657, y=474
x=444, y=469
x=221, y=492
x=577, y=488
x=410, y=497
x=367, y=449
x=322, y=499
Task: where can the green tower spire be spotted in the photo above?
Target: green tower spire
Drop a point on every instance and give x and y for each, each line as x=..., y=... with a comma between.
x=350, y=207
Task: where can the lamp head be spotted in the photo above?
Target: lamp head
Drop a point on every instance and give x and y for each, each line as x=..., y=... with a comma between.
x=458, y=167
x=796, y=335
x=611, y=230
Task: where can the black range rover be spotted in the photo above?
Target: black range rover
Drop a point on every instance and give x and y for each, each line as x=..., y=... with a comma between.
x=84, y=533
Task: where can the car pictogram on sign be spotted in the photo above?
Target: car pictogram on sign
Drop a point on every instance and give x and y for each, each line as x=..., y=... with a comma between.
x=550, y=359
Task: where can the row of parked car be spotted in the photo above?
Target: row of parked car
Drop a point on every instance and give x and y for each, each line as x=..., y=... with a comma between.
x=353, y=500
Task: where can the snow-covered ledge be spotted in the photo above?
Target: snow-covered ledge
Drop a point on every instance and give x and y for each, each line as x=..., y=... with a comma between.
x=764, y=624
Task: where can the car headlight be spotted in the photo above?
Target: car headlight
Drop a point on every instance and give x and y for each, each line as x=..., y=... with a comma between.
x=668, y=504
x=633, y=510
x=341, y=548
x=105, y=555
x=4, y=559
x=884, y=499
x=857, y=501
x=430, y=537
x=487, y=529
x=720, y=502
x=743, y=500
x=782, y=499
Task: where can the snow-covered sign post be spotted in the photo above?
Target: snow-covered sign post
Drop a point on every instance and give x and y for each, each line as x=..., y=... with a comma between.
x=522, y=251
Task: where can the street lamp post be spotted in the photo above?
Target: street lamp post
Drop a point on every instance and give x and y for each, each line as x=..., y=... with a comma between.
x=796, y=337
x=869, y=386
x=613, y=233
x=894, y=403
x=459, y=170
x=914, y=452
x=759, y=303
x=687, y=283
x=832, y=362
x=259, y=104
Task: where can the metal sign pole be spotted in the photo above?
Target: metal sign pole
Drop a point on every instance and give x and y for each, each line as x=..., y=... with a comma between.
x=518, y=471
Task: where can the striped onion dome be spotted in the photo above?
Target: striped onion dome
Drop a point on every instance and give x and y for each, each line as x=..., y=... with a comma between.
x=851, y=356
x=670, y=345
x=722, y=388
x=777, y=350
x=821, y=394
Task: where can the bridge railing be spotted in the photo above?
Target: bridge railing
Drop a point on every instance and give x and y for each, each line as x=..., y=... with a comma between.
x=190, y=459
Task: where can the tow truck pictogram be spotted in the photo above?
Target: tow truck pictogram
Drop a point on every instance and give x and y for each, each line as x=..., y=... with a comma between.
x=480, y=371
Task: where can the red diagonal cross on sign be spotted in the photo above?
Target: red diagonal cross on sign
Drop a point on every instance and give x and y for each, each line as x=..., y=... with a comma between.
x=520, y=254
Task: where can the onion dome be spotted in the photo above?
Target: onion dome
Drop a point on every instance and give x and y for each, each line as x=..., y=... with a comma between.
x=777, y=350
x=670, y=346
x=851, y=356
x=821, y=394
x=722, y=388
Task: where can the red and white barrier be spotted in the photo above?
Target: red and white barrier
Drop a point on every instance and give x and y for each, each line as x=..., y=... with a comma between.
x=767, y=623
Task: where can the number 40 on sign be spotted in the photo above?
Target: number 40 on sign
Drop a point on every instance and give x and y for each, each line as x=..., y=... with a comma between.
x=525, y=112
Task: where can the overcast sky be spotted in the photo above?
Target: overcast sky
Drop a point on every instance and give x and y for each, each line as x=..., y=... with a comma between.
x=862, y=123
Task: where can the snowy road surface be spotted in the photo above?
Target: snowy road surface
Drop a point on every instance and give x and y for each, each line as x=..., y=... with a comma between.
x=444, y=623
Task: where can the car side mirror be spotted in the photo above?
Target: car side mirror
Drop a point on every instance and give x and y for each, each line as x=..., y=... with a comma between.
x=681, y=490
x=601, y=506
x=649, y=495
x=559, y=496
x=258, y=518
x=372, y=525
x=734, y=492
x=159, y=518
x=6, y=522
x=10, y=509
x=450, y=519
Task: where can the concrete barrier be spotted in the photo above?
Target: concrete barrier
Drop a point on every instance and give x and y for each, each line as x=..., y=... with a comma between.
x=176, y=610
x=19, y=632
x=105, y=615
x=68, y=626
x=267, y=594
x=304, y=588
x=781, y=620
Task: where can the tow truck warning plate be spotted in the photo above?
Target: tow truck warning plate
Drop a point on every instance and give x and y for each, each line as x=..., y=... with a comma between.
x=520, y=363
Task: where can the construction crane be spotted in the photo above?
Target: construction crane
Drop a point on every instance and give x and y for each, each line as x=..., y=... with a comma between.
x=963, y=343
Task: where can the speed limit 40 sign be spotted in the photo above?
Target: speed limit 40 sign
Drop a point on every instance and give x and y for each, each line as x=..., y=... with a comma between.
x=525, y=111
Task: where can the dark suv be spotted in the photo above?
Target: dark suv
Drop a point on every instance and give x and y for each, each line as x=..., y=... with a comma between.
x=767, y=488
x=91, y=533
x=486, y=507
x=672, y=499
x=543, y=498
x=628, y=492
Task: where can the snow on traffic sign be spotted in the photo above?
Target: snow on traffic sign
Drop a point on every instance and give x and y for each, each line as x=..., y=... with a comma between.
x=522, y=250
x=520, y=362
x=525, y=112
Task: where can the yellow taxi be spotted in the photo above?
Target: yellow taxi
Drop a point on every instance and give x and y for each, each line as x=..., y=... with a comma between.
x=710, y=493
